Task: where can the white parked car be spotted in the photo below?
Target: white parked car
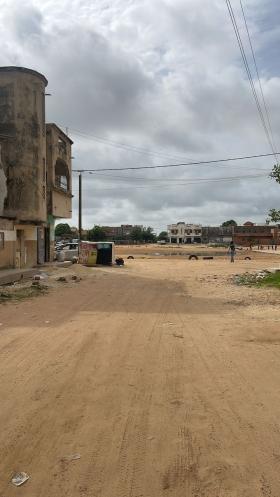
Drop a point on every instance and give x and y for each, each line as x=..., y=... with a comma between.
x=70, y=252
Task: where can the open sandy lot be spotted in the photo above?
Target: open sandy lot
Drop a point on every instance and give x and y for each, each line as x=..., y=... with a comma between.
x=162, y=375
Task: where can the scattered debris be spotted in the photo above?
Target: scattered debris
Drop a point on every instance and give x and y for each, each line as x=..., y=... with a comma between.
x=176, y=335
x=193, y=257
x=72, y=457
x=22, y=292
x=252, y=279
x=62, y=279
x=19, y=479
x=38, y=277
x=176, y=402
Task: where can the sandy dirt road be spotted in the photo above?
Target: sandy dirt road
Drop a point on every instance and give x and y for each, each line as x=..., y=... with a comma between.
x=162, y=375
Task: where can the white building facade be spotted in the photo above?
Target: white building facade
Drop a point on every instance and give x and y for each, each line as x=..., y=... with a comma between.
x=184, y=233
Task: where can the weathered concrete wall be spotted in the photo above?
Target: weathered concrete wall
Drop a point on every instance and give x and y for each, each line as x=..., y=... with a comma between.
x=51, y=226
x=7, y=253
x=3, y=184
x=22, y=123
x=61, y=205
x=26, y=251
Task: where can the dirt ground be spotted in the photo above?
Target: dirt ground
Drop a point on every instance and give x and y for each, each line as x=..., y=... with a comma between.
x=159, y=378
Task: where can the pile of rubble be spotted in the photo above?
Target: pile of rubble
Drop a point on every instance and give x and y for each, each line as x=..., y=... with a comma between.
x=253, y=278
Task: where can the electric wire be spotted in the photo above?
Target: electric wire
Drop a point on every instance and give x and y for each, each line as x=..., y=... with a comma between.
x=153, y=180
x=160, y=166
x=127, y=147
x=193, y=181
x=247, y=68
x=258, y=75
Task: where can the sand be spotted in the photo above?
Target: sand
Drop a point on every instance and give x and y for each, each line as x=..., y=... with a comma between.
x=163, y=376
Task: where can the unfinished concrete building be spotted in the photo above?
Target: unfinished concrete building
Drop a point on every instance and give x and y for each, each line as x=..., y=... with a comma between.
x=59, y=178
x=184, y=233
x=25, y=237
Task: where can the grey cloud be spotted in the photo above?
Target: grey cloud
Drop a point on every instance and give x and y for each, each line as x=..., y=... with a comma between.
x=163, y=76
x=25, y=21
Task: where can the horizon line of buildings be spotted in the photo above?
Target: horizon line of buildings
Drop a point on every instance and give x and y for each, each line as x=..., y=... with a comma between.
x=121, y=232
x=247, y=234
x=188, y=233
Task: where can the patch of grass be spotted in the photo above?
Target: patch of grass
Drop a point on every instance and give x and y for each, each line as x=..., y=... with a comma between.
x=271, y=280
x=23, y=293
x=218, y=245
x=261, y=279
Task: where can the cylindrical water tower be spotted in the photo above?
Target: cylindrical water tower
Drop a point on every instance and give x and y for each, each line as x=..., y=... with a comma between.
x=23, y=143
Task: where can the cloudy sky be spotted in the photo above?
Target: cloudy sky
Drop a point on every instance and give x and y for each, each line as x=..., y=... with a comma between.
x=147, y=82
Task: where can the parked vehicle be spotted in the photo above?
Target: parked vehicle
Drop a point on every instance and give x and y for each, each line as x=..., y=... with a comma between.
x=69, y=252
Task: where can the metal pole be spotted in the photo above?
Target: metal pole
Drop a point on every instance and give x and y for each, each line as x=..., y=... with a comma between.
x=80, y=206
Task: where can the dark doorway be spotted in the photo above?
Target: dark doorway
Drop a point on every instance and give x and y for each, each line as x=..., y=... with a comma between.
x=20, y=249
x=47, y=244
x=40, y=245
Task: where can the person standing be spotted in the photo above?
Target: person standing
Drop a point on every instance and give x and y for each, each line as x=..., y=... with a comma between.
x=231, y=251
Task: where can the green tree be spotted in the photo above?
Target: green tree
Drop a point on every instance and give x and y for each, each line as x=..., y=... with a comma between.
x=275, y=174
x=143, y=234
x=137, y=234
x=231, y=222
x=148, y=235
x=273, y=216
x=97, y=234
x=62, y=229
x=163, y=236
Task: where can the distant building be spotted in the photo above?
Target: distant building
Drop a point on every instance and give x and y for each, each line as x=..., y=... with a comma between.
x=217, y=234
x=251, y=234
x=184, y=233
x=122, y=232
x=32, y=163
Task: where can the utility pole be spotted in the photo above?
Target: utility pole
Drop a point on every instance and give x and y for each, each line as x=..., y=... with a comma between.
x=80, y=205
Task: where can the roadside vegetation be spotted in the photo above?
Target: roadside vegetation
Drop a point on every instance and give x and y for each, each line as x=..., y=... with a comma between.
x=271, y=280
x=12, y=294
x=260, y=280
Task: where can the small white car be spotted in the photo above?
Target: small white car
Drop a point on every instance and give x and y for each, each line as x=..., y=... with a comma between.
x=70, y=252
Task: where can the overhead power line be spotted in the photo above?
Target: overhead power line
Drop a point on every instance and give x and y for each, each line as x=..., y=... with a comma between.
x=121, y=177
x=137, y=168
x=194, y=181
x=123, y=146
x=258, y=75
x=247, y=68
